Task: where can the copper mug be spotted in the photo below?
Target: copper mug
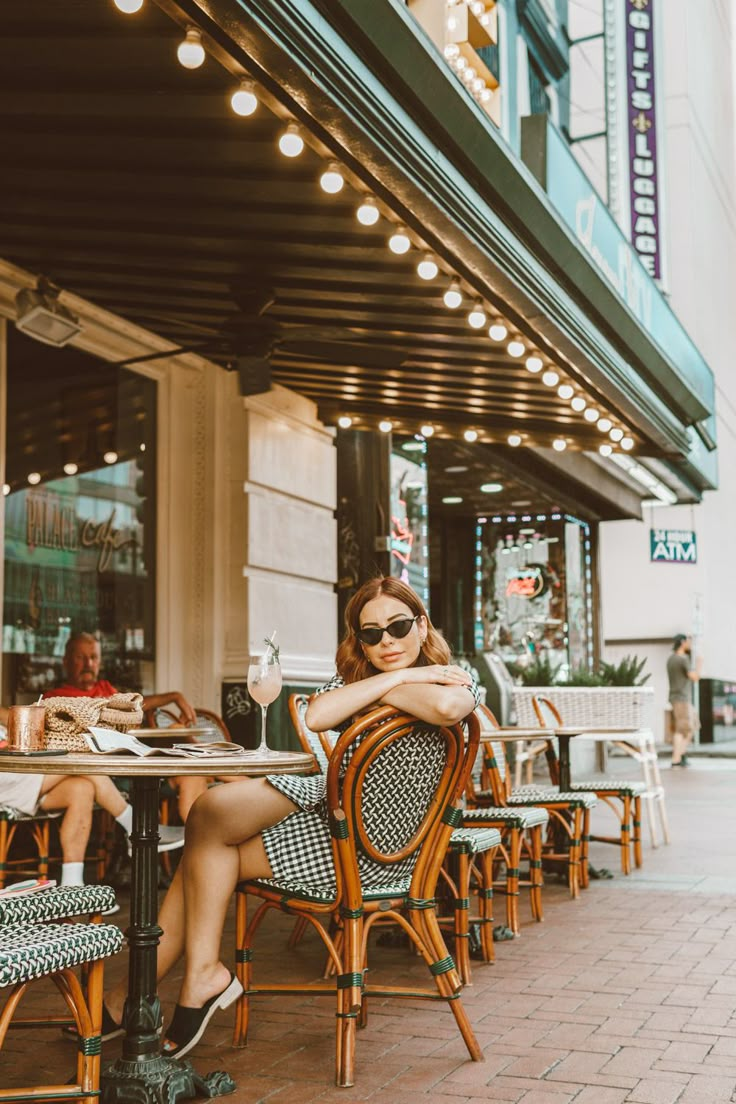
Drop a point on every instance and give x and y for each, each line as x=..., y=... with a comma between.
x=26, y=725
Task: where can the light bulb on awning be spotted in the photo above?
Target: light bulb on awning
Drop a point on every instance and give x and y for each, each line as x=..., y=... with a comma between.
x=385, y=427
x=616, y=434
x=244, y=100
x=344, y=421
x=591, y=414
x=453, y=296
x=291, y=142
x=427, y=268
x=399, y=242
x=471, y=435
x=565, y=391
x=605, y=450
x=368, y=213
x=497, y=332
x=128, y=7
x=34, y=478
x=515, y=348
x=427, y=430
x=559, y=444
x=627, y=443
x=190, y=52
x=550, y=378
x=604, y=424
x=477, y=316
x=578, y=403
x=71, y=469
x=332, y=181
x=514, y=439
x=534, y=364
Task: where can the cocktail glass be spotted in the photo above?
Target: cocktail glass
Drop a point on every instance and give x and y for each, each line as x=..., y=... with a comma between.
x=264, y=686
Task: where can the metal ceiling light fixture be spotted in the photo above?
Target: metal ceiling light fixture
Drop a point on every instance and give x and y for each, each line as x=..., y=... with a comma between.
x=40, y=315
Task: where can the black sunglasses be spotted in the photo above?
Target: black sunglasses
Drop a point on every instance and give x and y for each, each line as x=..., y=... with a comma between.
x=397, y=629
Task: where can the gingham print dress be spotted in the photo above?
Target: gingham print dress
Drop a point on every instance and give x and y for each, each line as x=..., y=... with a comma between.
x=298, y=847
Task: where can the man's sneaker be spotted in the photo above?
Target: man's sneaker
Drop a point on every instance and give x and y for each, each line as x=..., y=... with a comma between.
x=171, y=837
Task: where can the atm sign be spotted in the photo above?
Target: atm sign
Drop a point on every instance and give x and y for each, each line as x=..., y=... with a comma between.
x=673, y=546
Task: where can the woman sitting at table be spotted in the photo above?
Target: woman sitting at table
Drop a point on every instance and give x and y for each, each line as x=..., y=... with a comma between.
x=277, y=827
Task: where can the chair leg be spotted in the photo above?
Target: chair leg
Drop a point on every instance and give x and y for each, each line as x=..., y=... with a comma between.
x=584, y=872
x=537, y=878
x=626, y=834
x=484, y=862
x=242, y=971
x=297, y=932
x=6, y=835
x=512, y=880
x=461, y=913
x=636, y=836
x=349, y=999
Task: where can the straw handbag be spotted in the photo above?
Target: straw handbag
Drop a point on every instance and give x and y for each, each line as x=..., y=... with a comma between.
x=68, y=718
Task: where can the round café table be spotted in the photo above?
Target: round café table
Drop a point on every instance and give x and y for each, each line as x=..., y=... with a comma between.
x=142, y=1074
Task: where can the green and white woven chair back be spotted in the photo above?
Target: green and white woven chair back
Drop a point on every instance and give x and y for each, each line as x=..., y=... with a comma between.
x=398, y=787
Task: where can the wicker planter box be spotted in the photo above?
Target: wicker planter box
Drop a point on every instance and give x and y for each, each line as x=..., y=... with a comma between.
x=607, y=706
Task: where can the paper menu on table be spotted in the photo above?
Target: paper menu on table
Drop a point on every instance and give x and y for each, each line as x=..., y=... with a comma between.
x=108, y=741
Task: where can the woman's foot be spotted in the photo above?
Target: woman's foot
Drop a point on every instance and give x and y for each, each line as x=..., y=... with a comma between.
x=188, y=1025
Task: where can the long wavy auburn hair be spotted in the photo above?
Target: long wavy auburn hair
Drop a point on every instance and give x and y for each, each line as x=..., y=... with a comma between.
x=350, y=660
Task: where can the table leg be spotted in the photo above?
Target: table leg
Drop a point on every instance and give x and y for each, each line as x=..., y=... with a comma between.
x=143, y=1074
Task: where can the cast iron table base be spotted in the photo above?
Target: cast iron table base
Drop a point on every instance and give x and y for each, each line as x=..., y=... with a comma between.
x=143, y=1075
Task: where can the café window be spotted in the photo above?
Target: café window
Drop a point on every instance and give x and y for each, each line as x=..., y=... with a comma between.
x=80, y=540
x=534, y=598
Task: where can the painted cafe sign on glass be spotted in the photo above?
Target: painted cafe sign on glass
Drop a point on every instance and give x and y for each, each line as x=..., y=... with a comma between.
x=75, y=558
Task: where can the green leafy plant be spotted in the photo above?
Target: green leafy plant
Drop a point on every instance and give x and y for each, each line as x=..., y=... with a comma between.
x=539, y=672
x=582, y=676
x=627, y=672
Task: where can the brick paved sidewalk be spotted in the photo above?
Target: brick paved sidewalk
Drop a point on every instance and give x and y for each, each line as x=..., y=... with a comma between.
x=628, y=995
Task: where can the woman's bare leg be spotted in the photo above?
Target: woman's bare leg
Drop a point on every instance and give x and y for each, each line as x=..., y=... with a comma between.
x=223, y=846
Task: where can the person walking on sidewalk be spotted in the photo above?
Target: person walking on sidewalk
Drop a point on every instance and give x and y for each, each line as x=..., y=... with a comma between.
x=682, y=675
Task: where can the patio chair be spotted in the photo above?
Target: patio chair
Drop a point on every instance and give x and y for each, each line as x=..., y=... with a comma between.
x=403, y=832
x=36, y=830
x=466, y=873
x=569, y=811
x=622, y=796
x=34, y=946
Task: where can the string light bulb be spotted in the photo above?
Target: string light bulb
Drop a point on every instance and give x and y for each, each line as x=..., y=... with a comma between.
x=128, y=7
x=190, y=52
x=244, y=100
x=550, y=378
x=385, y=426
x=453, y=296
x=514, y=439
x=604, y=424
x=34, y=478
x=332, y=181
x=534, y=364
x=605, y=450
x=399, y=242
x=368, y=214
x=477, y=316
x=426, y=430
x=559, y=444
x=6, y=488
x=578, y=403
x=110, y=457
x=291, y=142
x=591, y=414
x=344, y=421
x=616, y=434
x=470, y=435
x=565, y=391
x=71, y=468
x=627, y=443
x=497, y=332
x=515, y=347
x=427, y=268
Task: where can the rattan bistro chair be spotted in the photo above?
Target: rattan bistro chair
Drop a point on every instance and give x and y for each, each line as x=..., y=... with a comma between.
x=622, y=796
x=569, y=811
x=466, y=873
x=34, y=945
x=373, y=818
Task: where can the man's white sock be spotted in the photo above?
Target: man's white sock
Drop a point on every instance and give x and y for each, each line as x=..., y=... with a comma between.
x=125, y=820
x=72, y=874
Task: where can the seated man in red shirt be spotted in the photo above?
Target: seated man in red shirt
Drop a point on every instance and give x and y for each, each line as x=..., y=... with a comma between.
x=82, y=660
